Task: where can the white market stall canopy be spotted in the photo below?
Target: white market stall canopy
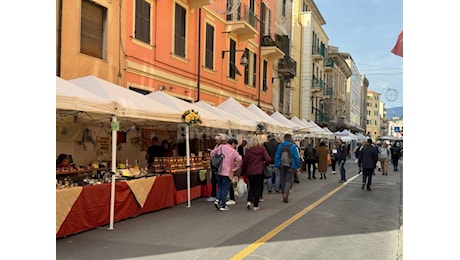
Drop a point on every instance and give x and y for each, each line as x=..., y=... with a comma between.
x=281, y=128
x=236, y=122
x=232, y=106
x=319, y=131
x=129, y=103
x=283, y=120
x=208, y=119
x=346, y=136
x=72, y=97
x=310, y=129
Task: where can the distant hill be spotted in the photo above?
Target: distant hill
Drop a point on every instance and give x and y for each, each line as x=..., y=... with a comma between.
x=395, y=111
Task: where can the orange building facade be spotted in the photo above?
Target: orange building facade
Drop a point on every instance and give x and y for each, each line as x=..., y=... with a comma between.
x=192, y=49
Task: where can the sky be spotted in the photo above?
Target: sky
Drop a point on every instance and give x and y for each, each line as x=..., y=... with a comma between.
x=368, y=30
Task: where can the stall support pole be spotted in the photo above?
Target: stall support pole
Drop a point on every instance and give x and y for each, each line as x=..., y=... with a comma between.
x=114, y=168
x=187, y=166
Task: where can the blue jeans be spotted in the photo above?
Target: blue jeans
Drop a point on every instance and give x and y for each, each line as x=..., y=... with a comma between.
x=276, y=177
x=223, y=185
x=342, y=171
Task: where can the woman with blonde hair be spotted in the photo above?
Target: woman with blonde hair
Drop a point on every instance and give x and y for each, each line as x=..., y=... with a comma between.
x=253, y=165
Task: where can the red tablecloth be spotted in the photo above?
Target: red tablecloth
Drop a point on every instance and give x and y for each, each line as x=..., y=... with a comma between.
x=92, y=207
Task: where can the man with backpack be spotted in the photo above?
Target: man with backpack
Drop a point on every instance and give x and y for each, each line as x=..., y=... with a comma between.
x=287, y=161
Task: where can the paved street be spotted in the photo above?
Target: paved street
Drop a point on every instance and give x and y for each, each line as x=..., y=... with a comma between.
x=323, y=220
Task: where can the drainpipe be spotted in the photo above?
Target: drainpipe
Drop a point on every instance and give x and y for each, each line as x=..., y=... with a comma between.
x=59, y=37
x=199, y=57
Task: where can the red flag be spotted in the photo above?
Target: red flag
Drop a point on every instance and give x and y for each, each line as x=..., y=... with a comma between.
x=398, y=49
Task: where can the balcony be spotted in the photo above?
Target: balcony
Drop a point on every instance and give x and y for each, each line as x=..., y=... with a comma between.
x=195, y=4
x=317, y=54
x=321, y=119
x=287, y=67
x=317, y=85
x=328, y=65
x=270, y=48
x=328, y=91
x=242, y=22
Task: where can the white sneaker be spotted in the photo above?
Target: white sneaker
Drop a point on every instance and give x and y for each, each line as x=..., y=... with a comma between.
x=230, y=202
x=211, y=199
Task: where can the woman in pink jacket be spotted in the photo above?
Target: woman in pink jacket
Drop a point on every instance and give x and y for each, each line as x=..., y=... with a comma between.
x=232, y=162
x=254, y=161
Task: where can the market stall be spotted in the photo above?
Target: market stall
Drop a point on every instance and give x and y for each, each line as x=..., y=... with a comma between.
x=87, y=207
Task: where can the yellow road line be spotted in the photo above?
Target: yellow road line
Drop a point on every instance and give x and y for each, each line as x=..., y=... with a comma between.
x=252, y=247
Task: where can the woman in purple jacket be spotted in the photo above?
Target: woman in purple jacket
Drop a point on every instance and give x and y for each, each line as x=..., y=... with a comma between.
x=254, y=161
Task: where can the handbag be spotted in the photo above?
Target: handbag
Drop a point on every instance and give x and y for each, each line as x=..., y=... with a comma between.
x=329, y=160
x=216, y=161
x=267, y=172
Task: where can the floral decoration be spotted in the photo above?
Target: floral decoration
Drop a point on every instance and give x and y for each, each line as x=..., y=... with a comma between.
x=261, y=127
x=191, y=117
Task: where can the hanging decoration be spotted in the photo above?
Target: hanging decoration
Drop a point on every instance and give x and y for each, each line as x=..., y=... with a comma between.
x=191, y=118
x=261, y=127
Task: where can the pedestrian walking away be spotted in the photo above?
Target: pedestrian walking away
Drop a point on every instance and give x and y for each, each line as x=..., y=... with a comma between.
x=271, y=147
x=310, y=160
x=341, y=158
x=322, y=159
x=231, y=162
x=287, y=161
x=255, y=158
x=395, y=155
x=368, y=156
x=219, y=141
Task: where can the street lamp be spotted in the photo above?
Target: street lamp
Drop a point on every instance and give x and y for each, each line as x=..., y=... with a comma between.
x=243, y=60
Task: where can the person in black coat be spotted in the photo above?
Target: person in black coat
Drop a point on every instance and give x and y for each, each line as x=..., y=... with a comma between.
x=368, y=157
x=395, y=155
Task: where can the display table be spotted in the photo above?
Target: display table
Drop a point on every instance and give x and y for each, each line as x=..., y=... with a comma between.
x=180, y=184
x=83, y=208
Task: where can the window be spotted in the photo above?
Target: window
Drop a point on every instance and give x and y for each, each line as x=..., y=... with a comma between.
x=141, y=91
x=209, y=52
x=179, y=31
x=232, y=70
x=283, y=10
x=142, y=23
x=264, y=78
x=254, y=69
x=93, y=35
x=265, y=20
x=250, y=69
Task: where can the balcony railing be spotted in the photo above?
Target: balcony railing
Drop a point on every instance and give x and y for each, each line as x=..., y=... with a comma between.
x=317, y=85
x=328, y=65
x=328, y=91
x=322, y=118
x=287, y=67
x=242, y=22
x=270, y=48
x=318, y=54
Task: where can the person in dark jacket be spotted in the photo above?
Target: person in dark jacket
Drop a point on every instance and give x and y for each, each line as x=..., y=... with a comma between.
x=271, y=147
x=311, y=160
x=368, y=156
x=395, y=155
x=341, y=158
x=253, y=165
